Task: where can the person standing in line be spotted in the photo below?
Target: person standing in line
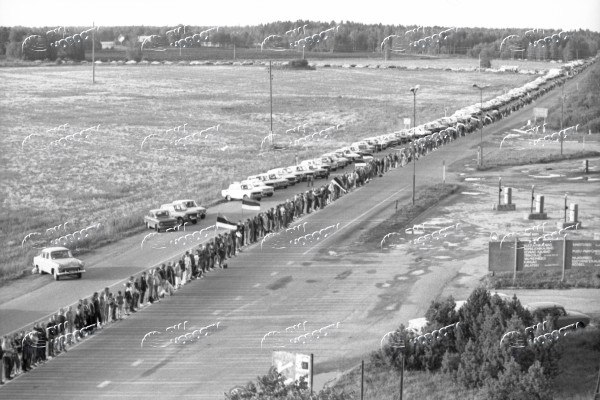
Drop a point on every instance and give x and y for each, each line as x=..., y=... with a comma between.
x=70, y=321
x=7, y=360
x=150, y=283
x=61, y=320
x=97, y=310
x=113, y=307
x=120, y=304
x=143, y=288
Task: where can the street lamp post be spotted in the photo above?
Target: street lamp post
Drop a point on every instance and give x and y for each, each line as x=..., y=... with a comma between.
x=414, y=92
x=481, y=129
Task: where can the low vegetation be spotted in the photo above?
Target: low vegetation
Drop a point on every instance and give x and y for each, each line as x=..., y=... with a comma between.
x=468, y=361
x=584, y=277
x=111, y=179
x=425, y=197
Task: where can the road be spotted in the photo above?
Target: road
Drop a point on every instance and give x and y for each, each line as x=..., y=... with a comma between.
x=322, y=283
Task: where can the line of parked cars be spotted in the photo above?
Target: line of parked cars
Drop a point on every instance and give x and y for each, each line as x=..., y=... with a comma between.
x=172, y=214
x=264, y=184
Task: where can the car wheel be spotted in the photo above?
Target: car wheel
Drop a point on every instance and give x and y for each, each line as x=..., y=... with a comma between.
x=270, y=194
x=258, y=198
x=245, y=197
x=56, y=276
x=79, y=275
x=180, y=221
x=203, y=216
x=157, y=228
x=195, y=221
x=228, y=198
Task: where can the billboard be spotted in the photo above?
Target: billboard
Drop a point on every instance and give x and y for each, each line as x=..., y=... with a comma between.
x=293, y=366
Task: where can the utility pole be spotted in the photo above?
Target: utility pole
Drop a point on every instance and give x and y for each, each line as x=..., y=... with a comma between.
x=93, y=54
x=271, y=98
x=562, y=114
x=414, y=92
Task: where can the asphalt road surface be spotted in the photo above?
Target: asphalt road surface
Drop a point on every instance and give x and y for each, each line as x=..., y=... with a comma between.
x=322, y=292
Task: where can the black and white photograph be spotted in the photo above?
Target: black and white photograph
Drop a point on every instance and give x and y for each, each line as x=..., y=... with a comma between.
x=314, y=200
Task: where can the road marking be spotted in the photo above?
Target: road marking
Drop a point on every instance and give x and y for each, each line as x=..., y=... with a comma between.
x=103, y=384
x=136, y=363
x=238, y=298
x=216, y=312
x=357, y=218
x=274, y=273
x=257, y=285
x=290, y=262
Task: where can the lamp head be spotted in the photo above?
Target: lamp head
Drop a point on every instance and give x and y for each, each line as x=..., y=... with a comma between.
x=414, y=89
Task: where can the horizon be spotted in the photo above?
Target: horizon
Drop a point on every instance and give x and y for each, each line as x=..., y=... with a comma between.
x=510, y=14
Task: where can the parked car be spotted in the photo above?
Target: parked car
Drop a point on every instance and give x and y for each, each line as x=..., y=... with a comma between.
x=58, y=261
x=159, y=219
x=316, y=164
x=271, y=180
x=540, y=310
x=281, y=173
x=181, y=213
x=306, y=173
x=298, y=174
x=193, y=206
x=329, y=160
x=239, y=191
x=347, y=153
x=318, y=172
x=341, y=161
x=258, y=184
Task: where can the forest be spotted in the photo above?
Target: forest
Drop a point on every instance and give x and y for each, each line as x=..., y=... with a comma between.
x=344, y=37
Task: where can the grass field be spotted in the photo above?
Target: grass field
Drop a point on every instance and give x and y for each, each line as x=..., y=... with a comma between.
x=106, y=176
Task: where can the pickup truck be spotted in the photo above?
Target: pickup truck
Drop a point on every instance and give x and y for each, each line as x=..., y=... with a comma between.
x=241, y=191
x=58, y=261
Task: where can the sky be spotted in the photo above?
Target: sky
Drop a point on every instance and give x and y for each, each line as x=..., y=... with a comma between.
x=545, y=14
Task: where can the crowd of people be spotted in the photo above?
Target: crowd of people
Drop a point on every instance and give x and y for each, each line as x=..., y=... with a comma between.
x=24, y=350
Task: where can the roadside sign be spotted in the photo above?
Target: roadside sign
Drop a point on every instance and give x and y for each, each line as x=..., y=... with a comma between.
x=540, y=112
x=406, y=123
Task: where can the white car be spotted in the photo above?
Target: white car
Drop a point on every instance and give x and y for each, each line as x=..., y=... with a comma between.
x=239, y=191
x=266, y=190
x=281, y=173
x=193, y=206
x=271, y=180
x=58, y=261
x=181, y=213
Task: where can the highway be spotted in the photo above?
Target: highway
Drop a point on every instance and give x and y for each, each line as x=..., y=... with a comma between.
x=308, y=285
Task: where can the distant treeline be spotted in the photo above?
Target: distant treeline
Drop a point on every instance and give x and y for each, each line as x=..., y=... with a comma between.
x=349, y=37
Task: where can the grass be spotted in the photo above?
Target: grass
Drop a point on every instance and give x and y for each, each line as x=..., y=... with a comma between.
x=576, y=379
x=109, y=179
x=425, y=197
x=587, y=277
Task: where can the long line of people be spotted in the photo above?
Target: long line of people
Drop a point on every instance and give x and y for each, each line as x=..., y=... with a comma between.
x=24, y=350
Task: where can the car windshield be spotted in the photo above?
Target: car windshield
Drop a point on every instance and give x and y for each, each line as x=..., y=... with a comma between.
x=246, y=187
x=162, y=213
x=58, y=254
x=273, y=176
x=190, y=203
x=179, y=207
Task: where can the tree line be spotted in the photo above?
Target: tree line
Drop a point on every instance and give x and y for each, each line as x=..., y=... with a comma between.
x=348, y=37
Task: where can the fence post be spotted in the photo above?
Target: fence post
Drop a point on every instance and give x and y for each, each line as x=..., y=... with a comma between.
x=564, y=258
x=516, y=260
x=362, y=379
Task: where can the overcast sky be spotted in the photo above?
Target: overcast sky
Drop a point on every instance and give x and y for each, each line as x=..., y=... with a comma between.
x=558, y=14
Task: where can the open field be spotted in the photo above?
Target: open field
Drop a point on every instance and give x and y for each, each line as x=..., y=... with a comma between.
x=106, y=176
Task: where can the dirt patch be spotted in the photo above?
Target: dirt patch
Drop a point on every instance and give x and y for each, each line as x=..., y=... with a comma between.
x=344, y=275
x=280, y=283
